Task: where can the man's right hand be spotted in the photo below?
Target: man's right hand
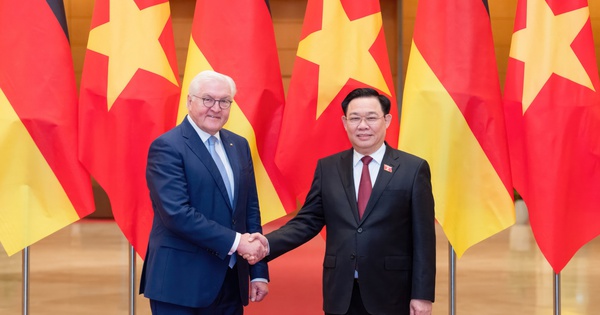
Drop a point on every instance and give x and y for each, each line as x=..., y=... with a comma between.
x=253, y=247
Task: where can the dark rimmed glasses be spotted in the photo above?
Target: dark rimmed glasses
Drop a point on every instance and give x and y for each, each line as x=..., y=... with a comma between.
x=210, y=102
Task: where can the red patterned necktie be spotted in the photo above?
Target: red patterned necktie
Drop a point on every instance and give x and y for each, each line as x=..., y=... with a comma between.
x=365, y=187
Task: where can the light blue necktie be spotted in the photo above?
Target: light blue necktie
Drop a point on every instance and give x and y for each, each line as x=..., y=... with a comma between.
x=211, y=148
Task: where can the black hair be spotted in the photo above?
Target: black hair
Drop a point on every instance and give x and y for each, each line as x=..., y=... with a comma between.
x=367, y=92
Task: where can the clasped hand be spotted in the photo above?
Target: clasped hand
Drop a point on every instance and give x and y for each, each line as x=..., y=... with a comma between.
x=253, y=247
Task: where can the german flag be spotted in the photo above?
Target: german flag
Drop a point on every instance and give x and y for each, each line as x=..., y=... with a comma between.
x=43, y=186
x=552, y=108
x=129, y=96
x=452, y=116
x=236, y=38
x=342, y=47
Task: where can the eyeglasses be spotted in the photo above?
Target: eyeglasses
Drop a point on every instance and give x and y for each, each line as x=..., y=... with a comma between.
x=210, y=102
x=355, y=120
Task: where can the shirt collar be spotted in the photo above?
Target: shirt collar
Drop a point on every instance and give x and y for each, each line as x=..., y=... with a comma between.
x=203, y=134
x=377, y=156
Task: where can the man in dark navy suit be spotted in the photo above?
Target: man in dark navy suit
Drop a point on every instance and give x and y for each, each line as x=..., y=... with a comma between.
x=203, y=191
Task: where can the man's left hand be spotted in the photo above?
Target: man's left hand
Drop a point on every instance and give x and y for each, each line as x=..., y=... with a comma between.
x=420, y=307
x=258, y=291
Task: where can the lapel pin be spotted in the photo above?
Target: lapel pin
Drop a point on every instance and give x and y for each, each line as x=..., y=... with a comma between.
x=387, y=168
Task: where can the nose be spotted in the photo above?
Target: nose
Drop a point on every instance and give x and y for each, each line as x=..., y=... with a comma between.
x=216, y=107
x=363, y=123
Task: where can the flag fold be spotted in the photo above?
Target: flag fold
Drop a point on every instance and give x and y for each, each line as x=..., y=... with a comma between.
x=129, y=96
x=452, y=116
x=552, y=108
x=43, y=186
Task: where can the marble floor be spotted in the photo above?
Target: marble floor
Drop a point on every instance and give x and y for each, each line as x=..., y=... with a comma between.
x=84, y=269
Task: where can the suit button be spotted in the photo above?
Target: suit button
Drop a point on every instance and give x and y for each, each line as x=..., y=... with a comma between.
x=352, y=256
x=360, y=230
x=234, y=222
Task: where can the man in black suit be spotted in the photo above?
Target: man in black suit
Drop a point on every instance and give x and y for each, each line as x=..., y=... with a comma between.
x=380, y=244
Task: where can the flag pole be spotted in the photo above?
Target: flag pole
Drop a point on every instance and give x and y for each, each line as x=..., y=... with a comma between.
x=557, y=293
x=131, y=280
x=452, y=280
x=25, y=285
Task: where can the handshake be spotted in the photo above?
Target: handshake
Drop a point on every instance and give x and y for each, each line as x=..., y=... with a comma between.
x=253, y=247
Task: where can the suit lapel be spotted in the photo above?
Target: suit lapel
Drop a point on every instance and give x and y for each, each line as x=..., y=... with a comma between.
x=196, y=145
x=346, y=171
x=388, y=167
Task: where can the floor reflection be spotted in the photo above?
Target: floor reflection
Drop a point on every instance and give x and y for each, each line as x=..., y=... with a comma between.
x=83, y=269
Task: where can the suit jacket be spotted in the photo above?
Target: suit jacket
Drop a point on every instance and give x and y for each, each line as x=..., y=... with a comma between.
x=194, y=223
x=392, y=246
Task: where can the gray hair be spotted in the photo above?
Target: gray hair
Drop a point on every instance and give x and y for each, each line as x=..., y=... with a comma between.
x=207, y=76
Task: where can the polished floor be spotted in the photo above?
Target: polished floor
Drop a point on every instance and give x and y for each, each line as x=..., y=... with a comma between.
x=83, y=269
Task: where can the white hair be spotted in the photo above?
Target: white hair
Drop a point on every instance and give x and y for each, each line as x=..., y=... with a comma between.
x=209, y=75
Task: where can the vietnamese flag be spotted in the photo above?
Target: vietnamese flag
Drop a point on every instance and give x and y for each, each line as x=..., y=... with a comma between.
x=342, y=47
x=236, y=38
x=129, y=96
x=452, y=116
x=553, y=120
x=43, y=186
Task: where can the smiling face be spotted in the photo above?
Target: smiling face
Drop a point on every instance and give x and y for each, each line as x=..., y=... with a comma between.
x=369, y=134
x=209, y=119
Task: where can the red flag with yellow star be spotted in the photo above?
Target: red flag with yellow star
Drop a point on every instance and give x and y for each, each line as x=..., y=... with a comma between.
x=342, y=47
x=43, y=186
x=129, y=96
x=553, y=119
x=244, y=49
x=452, y=116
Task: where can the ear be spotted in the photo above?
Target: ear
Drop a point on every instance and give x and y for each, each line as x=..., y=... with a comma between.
x=345, y=122
x=388, y=120
x=189, y=102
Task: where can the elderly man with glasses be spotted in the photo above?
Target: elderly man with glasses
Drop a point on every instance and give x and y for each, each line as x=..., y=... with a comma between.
x=203, y=191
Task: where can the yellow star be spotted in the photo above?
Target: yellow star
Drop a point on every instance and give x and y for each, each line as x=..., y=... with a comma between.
x=341, y=49
x=130, y=40
x=545, y=48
